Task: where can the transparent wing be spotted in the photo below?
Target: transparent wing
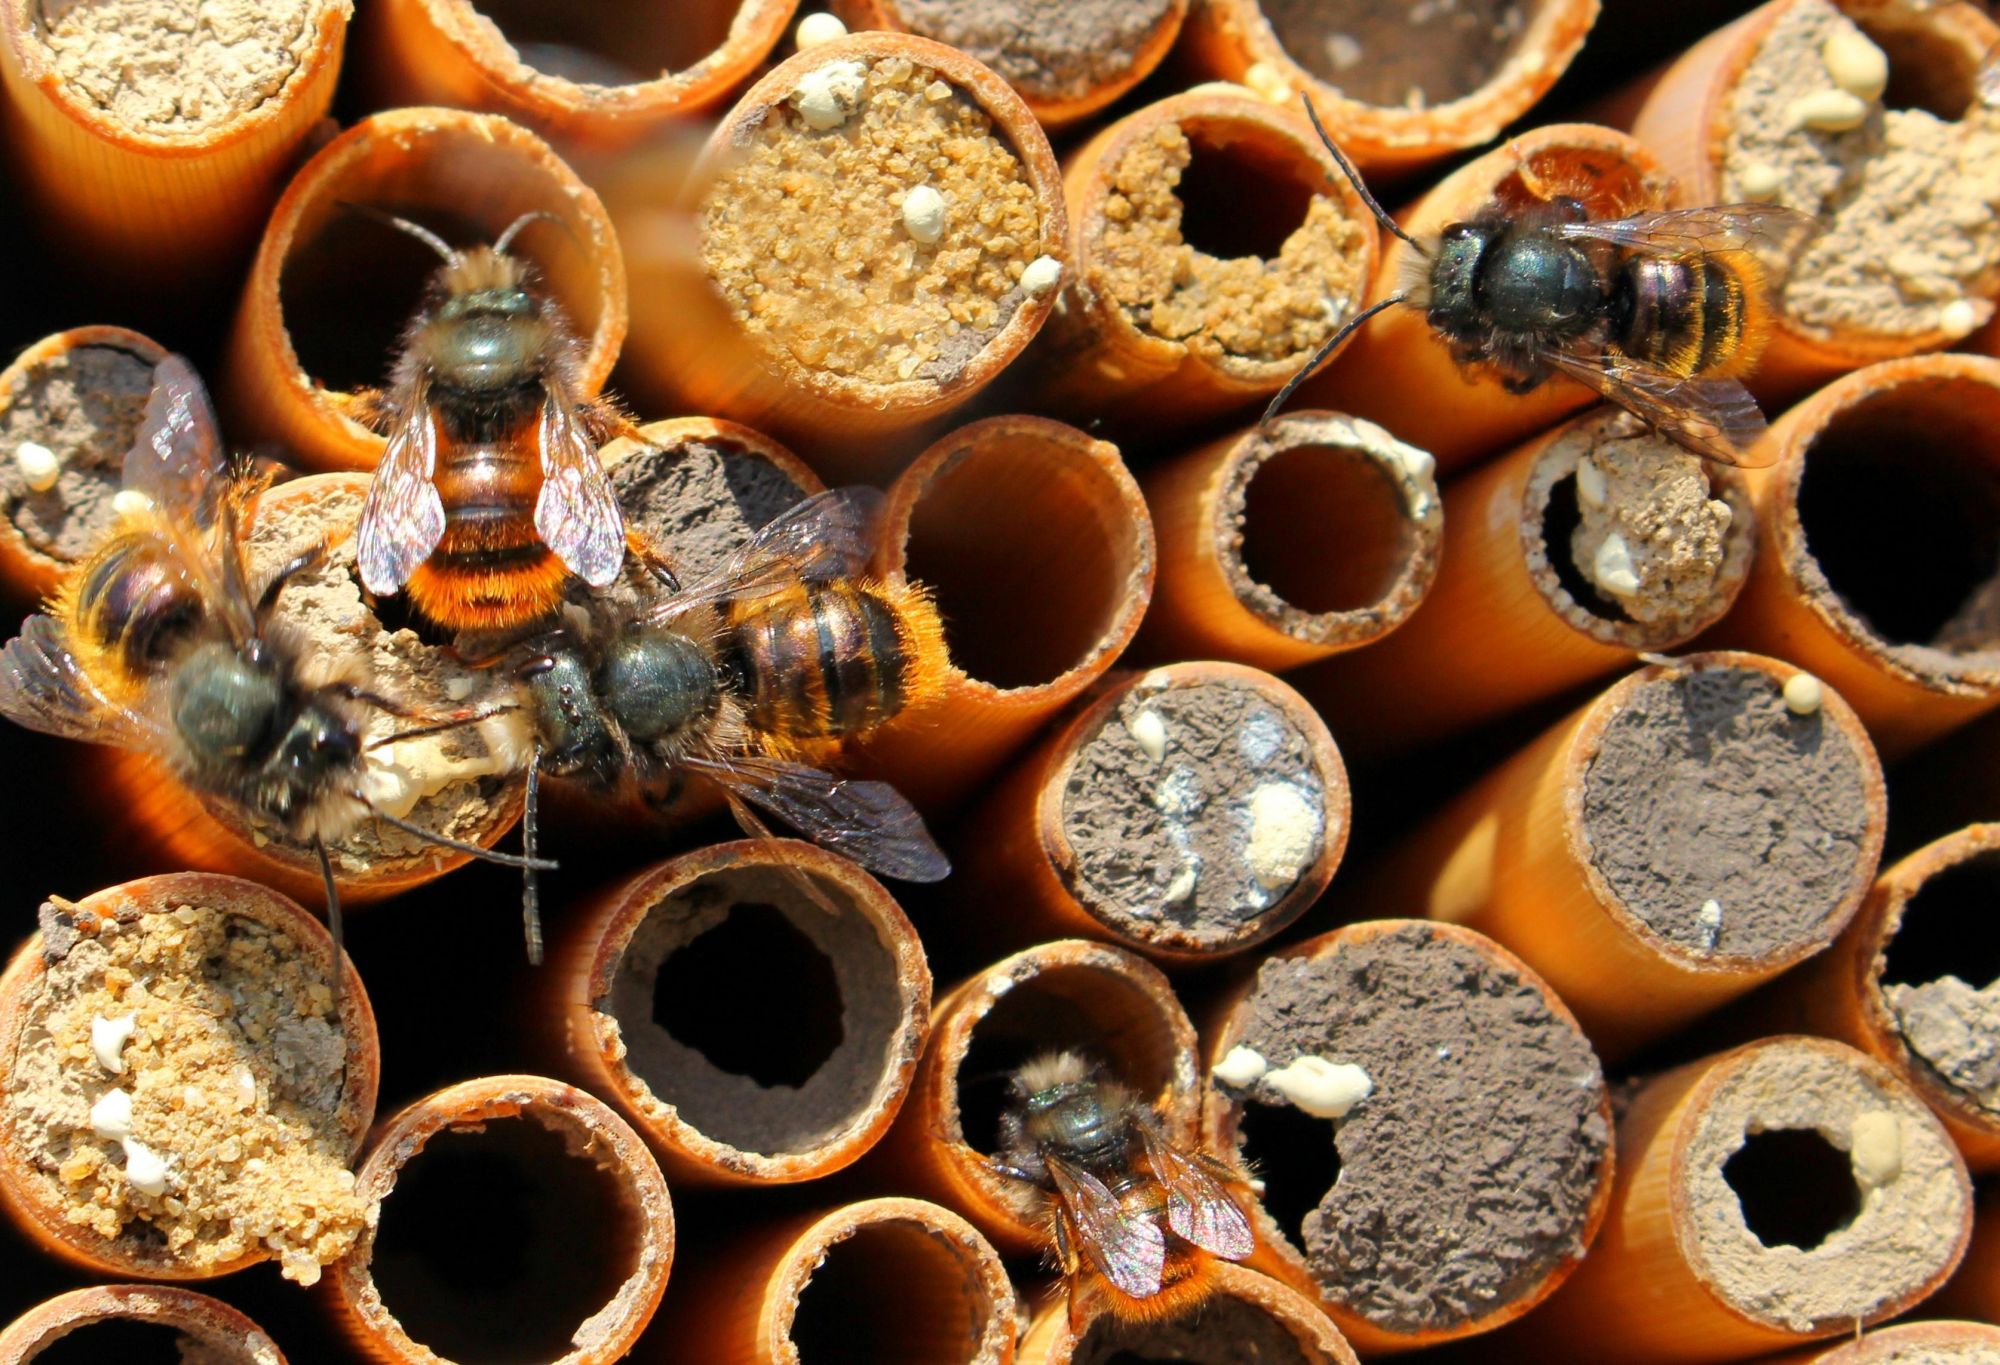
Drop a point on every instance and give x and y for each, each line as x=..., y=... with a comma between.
x=829, y=535
x=403, y=518
x=1714, y=417
x=177, y=459
x=1768, y=229
x=869, y=822
x=577, y=514
x=44, y=688
x=1199, y=1207
x=1131, y=1252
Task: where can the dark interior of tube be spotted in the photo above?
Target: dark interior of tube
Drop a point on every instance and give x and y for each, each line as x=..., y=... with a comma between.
x=1379, y=53
x=1795, y=1188
x=612, y=42
x=1294, y=1155
x=1949, y=928
x=117, y=1340
x=1324, y=529
x=1237, y=198
x=892, y=1291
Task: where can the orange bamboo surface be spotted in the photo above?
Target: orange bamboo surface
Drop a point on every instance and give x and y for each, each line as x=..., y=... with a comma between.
x=1247, y=1308
x=211, y=1327
x=1946, y=1343
x=1973, y=1291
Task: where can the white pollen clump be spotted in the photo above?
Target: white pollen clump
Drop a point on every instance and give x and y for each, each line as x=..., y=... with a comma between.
x=1590, y=485
x=1182, y=886
x=1611, y=568
x=130, y=502
x=111, y=1116
x=1709, y=917
x=144, y=1168
x=1326, y=1090
x=815, y=29
x=923, y=214
x=108, y=1038
x=1722, y=512
x=401, y=774
x=1855, y=63
x=38, y=465
x=458, y=688
x=1284, y=834
x=1875, y=1148
x=1040, y=276
x=1829, y=111
x=1760, y=181
x=1149, y=731
x=1241, y=1067
x=827, y=95
x=1803, y=694
x=1958, y=317
x=1269, y=82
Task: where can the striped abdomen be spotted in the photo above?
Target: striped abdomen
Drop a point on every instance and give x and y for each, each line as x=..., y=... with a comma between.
x=126, y=609
x=491, y=570
x=1689, y=315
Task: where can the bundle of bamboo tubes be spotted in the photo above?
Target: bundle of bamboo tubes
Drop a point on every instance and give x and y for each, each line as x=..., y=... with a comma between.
x=1107, y=750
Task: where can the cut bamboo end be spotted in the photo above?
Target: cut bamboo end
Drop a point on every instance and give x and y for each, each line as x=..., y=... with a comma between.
x=1348, y=1059
x=1218, y=247
x=1397, y=370
x=880, y=1280
x=154, y=151
x=1069, y=994
x=1186, y=813
x=1788, y=1190
x=1911, y=1343
x=1249, y=1316
x=1396, y=89
x=125, y=1321
x=756, y=1008
x=1973, y=1291
x=331, y=291
x=69, y=407
x=1566, y=556
x=1034, y=541
x=1065, y=64
x=1906, y=454
x=464, y=783
x=182, y=1104
x=1244, y=526
x=877, y=230
x=1758, y=111
x=482, y=1188
x=585, y=75
x=1684, y=837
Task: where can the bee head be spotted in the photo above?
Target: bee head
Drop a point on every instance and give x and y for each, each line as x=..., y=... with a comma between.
x=1454, y=275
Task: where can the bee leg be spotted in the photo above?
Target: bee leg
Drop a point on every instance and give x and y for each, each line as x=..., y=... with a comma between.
x=531, y=902
x=641, y=547
x=333, y=926
x=303, y=563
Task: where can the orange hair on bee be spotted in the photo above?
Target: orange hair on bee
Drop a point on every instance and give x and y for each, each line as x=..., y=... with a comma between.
x=921, y=631
x=1187, y=1280
x=461, y=599
x=1753, y=321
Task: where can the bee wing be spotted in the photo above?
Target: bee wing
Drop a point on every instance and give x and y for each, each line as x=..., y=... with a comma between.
x=1131, y=1252
x=44, y=688
x=176, y=459
x=577, y=513
x=870, y=822
x=1772, y=232
x=829, y=535
x=403, y=518
x=1199, y=1206
x=1713, y=416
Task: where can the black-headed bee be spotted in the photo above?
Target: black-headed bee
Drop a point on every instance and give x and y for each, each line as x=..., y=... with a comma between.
x=1657, y=311
x=749, y=678
x=488, y=495
x=1135, y=1220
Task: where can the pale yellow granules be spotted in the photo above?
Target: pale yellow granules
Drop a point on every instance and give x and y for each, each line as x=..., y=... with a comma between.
x=804, y=232
x=236, y=1077
x=1651, y=534
x=1248, y=307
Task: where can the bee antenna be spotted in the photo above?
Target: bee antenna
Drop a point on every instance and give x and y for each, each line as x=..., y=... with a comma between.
x=506, y=239
x=446, y=841
x=1326, y=349
x=438, y=727
x=1354, y=179
x=333, y=925
x=416, y=230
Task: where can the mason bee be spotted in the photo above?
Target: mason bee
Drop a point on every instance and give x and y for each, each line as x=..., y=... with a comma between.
x=1134, y=1219
x=749, y=678
x=1657, y=311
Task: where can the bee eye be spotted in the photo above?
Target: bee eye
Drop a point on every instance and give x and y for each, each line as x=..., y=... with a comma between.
x=222, y=706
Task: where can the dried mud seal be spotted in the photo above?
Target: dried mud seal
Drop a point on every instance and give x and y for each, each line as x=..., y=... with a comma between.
x=83, y=407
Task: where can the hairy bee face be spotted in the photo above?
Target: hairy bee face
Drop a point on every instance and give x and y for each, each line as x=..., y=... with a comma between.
x=573, y=729
x=657, y=684
x=224, y=706
x=319, y=744
x=487, y=341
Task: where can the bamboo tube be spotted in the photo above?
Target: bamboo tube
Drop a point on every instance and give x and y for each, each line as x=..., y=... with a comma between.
x=1034, y=542
x=756, y=1009
x=331, y=292
x=1068, y=994
x=1361, y=63
x=244, y=1029
x=79, y=396
x=1399, y=372
x=1519, y=613
x=933, y=215
x=1951, y=782
x=1218, y=246
x=1673, y=843
x=590, y=75
x=1066, y=63
x=1788, y=1190
x=1973, y=1291
x=878, y=1280
x=205, y=1329
x=464, y=783
x=1250, y=1316
x=1909, y=1343
x=1905, y=454
x=1077, y=841
x=153, y=150
x=1451, y=1215
x=1245, y=523
x=483, y=1188
x=1891, y=158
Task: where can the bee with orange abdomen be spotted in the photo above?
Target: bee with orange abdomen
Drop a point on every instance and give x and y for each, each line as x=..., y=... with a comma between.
x=1135, y=1219
x=489, y=495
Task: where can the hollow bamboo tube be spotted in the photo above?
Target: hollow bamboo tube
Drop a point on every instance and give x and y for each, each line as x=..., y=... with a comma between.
x=1218, y=246
x=331, y=291
x=219, y=1333
x=1728, y=131
x=1399, y=372
x=1064, y=66
x=889, y=1279
x=699, y=1084
x=80, y=395
x=1973, y=1291
x=1597, y=852
x=35, y=1189
x=1074, y=843
x=1276, y=1321
x=1932, y=1343
x=1280, y=49
x=751, y=287
x=1719, y=1163
x=428, y=1285
x=1067, y=994
x=469, y=780
x=1513, y=617
x=121, y=176
x=1877, y=544
x=1430, y=1013
x=585, y=76
x=1245, y=524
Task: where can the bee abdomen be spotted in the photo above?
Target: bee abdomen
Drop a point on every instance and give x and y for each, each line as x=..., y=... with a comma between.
x=491, y=569
x=128, y=607
x=1684, y=315
x=822, y=661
